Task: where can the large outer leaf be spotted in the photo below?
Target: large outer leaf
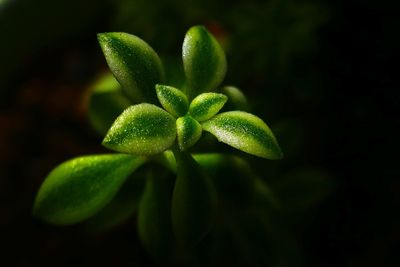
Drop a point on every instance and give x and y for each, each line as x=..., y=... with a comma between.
x=134, y=63
x=204, y=61
x=78, y=188
x=143, y=129
x=193, y=202
x=246, y=132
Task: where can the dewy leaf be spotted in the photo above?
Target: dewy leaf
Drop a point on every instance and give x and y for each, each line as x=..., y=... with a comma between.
x=204, y=61
x=206, y=105
x=78, y=188
x=188, y=132
x=173, y=100
x=106, y=102
x=143, y=129
x=236, y=99
x=246, y=132
x=134, y=63
x=194, y=202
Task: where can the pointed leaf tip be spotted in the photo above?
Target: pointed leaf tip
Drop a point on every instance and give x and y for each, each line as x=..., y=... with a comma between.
x=204, y=61
x=134, y=63
x=245, y=132
x=143, y=129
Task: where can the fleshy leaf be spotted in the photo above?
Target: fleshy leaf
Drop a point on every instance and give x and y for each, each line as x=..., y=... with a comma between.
x=204, y=61
x=236, y=99
x=173, y=100
x=143, y=129
x=206, y=105
x=194, y=202
x=188, y=132
x=78, y=188
x=154, y=218
x=134, y=63
x=246, y=132
x=106, y=102
x=122, y=207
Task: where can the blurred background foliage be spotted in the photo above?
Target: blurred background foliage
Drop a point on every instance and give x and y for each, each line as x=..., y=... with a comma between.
x=318, y=71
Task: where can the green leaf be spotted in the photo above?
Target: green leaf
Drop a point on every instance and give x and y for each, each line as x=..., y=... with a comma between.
x=106, y=102
x=246, y=132
x=78, y=188
x=134, y=63
x=206, y=105
x=122, y=207
x=143, y=129
x=236, y=99
x=173, y=100
x=204, y=61
x=232, y=176
x=188, y=132
x=154, y=218
x=194, y=202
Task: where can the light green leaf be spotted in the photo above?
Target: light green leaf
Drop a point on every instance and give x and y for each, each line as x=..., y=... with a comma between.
x=194, y=202
x=204, y=61
x=206, y=105
x=78, y=188
x=236, y=99
x=143, y=129
x=188, y=131
x=154, y=218
x=134, y=63
x=173, y=100
x=106, y=102
x=246, y=132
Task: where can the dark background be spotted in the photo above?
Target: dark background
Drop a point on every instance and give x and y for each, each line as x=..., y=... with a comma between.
x=323, y=74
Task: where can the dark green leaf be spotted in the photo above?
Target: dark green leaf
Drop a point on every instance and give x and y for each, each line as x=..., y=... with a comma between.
x=143, y=129
x=173, y=100
x=122, y=207
x=246, y=132
x=154, y=219
x=193, y=202
x=203, y=61
x=78, y=188
x=188, y=132
x=106, y=103
x=206, y=105
x=236, y=99
x=134, y=63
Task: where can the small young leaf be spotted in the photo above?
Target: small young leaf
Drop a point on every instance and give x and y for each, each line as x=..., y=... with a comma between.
x=78, y=188
x=193, y=202
x=206, y=105
x=154, y=218
x=204, y=61
x=188, y=132
x=246, y=132
x=134, y=63
x=236, y=99
x=143, y=129
x=106, y=102
x=173, y=100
